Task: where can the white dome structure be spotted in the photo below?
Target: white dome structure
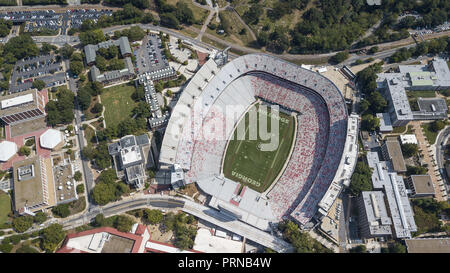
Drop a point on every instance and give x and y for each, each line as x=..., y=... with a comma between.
x=7, y=150
x=50, y=139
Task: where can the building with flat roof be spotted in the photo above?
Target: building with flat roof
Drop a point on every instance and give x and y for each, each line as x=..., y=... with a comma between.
x=20, y=107
x=385, y=179
x=130, y=158
x=51, y=139
x=434, y=76
x=408, y=139
x=106, y=240
x=428, y=245
x=34, y=188
x=374, y=220
x=385, y=122
x=7, y=150
x=393, y=152
x=421, y=186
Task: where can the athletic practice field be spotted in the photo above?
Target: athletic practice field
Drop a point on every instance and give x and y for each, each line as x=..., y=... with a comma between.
x=247, y=164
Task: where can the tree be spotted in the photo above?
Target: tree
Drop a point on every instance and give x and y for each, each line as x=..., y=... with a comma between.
x=38, y=84
x=98, y=108
x=20, y=47
x=358, y=249
x=26, y=249
x=46, y=48
x=116, y=64
x=377, y=102
x=100, y=62
x=94, y=36
x=67, y=51
x=339, y=57
x=154, y=216
x=84, y=98
x=80, y=189
x=52, y=237
x=409, y=149
x=22, y=223
x=40, y=217
x=103, y=193
x=437, y=125
x=169, y=20
x=24, y=150
x=123, y=223
x=61, y=210
x=77, y=176
x=370, y=123
x=76, y=67
x=361, y=179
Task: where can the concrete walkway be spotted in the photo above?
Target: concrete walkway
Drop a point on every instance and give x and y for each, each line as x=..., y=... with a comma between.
x=427, y=158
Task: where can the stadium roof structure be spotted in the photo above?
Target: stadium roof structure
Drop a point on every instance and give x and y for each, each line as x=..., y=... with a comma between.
x=7, y=150
x=239, y=83
x=51, y=138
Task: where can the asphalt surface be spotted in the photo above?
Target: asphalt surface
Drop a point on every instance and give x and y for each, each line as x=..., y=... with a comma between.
x=88, y=177
x=208, y=214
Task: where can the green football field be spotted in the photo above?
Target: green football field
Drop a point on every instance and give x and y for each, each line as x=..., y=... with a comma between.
x=247, y=164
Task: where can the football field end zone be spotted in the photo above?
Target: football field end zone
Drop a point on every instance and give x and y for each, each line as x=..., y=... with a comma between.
x=266, y=186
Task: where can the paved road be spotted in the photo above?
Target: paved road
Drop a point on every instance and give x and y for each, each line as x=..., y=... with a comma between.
x=188, y=206
x=88, y=177
x=440, y=145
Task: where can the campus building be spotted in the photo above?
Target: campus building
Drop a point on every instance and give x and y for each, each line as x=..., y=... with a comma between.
x=34, y=188
x=392, y=152
x=20, y=107
x=434, y=76
x=385, y=179
x=374, y=220
x=421, y=186
x=157, y=117
x=110, y=76
x=130, y=155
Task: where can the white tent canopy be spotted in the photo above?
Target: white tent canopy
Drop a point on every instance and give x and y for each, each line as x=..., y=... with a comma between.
x=7, y=150
x=50, y=139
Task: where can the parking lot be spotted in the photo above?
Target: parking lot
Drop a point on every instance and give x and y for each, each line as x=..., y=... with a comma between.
x=149, y=56
x=45, y=68
x=49, y=19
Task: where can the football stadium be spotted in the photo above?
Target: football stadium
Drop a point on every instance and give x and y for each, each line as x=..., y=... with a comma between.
x=316, y=140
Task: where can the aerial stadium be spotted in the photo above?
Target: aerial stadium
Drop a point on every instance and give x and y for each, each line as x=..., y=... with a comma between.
x=316, y=140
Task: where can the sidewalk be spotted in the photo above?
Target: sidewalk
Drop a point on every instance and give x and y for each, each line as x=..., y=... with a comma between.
x=427, y=158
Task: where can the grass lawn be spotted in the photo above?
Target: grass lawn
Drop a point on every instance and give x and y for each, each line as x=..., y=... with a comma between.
x=430, y=135
x=247, y=164
x=236, y=27
x=90, y=135
x=118, y=103
x=88, y=115
x=212, y=42
x=199, y=13
x=5, y=207
x=189, y=32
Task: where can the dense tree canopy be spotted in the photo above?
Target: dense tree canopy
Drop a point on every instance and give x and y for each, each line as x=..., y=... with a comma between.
x=61, y=111
x=51, y=237
x=361, y=179
x=301, y=241
x=20, y=47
